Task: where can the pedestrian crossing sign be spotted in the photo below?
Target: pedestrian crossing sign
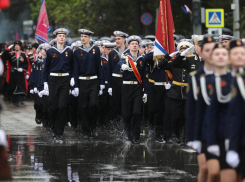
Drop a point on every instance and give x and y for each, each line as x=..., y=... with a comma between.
x=215, y=18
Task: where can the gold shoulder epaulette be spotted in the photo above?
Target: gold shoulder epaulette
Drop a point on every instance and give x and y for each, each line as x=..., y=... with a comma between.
x=240, y=74
x=191, y=55
x=193, y=73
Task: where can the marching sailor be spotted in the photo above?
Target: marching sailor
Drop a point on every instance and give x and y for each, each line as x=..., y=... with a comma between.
x=135, y=85
x=56, y=76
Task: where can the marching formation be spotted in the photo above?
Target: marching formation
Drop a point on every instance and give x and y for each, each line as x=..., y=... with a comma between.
x=193, y=96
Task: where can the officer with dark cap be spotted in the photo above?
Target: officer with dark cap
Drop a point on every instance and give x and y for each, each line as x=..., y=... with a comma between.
x=34, y=47
x=89, y=81
x=114, y=73
x=57, y=72
x=19, y=63
x=192, y=62
x=135, y=85
x=178, y=89
x=225, y=39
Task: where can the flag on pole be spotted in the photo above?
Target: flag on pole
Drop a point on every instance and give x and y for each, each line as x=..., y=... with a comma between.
x=41, y=33
x=186, y=9
x=164, y=41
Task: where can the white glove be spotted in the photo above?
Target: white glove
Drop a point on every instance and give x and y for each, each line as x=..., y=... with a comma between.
x=102, y=87
x=27, y=77
x=232, y=158
x=190, y=144
x=31, y=91
x=73, y=93
x=40, y=94
x=45, y=86
x=72, y=82
x=144, y=98
x=214, y=149
x=173, y=54
x=187, y=51
x=124, y=67
x=20, y=69
x=11, y=46
x=46, y=92
x=100, y=92
x=110, y=91
x=167, y=86
x=35, y=90
x=197, y=146
x=3, y=140
x=76, y=92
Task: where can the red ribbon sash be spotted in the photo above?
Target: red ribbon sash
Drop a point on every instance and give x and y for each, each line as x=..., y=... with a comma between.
x=135, y=70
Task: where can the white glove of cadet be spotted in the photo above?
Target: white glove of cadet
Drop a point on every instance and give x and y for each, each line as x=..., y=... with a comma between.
x=45, y=86
x=31, y=91
x=76, y=92
x=35, y=90
x=167, y=86
x=124, y=67
x=214, y=149
x=173, y=54
x=110, y=91
x=20, y=69
x=232, y=158
x=197, y=146
x=190, y=144
x=11, y=46
x=40, y=94
x=46, y=92
x=187, y=51
x=72, y=82
x=102, y=87
x=27, y=77
x=144, y=98
x=100, y=92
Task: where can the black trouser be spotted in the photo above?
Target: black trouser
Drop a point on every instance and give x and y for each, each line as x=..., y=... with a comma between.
x=58, y=100
x=116, y=84
x=167, y=120
x=45, y=109
x=88, y=94
x=73, y=108
x=131, y=109
x=156, y=103
x=38, y=106
x=178, y=115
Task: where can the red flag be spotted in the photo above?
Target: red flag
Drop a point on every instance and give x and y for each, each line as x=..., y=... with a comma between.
x=4, y=4
x=164, y=42
x=41, y=33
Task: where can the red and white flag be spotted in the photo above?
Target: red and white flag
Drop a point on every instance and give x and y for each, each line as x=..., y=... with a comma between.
x=41, y=33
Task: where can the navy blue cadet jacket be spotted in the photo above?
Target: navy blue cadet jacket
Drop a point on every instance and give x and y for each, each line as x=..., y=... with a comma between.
x=218, y=127
x=40, y=85
x=159, y=75
x=141, y=66
x=88, y=64
x=236, y=115
x=202, y=105
x=191, y=99
x=105, y=67
x=58, y=62
x=33, y=74
x=113, y=67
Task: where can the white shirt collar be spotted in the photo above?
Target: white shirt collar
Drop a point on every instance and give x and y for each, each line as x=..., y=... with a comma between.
x=207, y=72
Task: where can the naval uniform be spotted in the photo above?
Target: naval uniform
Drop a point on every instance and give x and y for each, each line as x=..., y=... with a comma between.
x=88, y=77
x=177, y=94
x=132, y=92
x=114, y=76
x=218, y=126
x=156, y=94
x=57, y=71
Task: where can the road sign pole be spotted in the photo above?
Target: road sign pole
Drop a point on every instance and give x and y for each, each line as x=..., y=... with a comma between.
x=236, y=18
x=197, y=29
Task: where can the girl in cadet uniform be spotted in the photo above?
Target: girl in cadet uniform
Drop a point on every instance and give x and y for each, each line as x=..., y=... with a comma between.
x=196, y=107
x=236, y=152
x=218, y=127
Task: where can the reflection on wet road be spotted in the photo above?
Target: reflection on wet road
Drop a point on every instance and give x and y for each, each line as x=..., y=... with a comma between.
x=37, y=157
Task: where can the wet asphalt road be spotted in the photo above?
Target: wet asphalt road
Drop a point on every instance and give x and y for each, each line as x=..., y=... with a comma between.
x=35, y=156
